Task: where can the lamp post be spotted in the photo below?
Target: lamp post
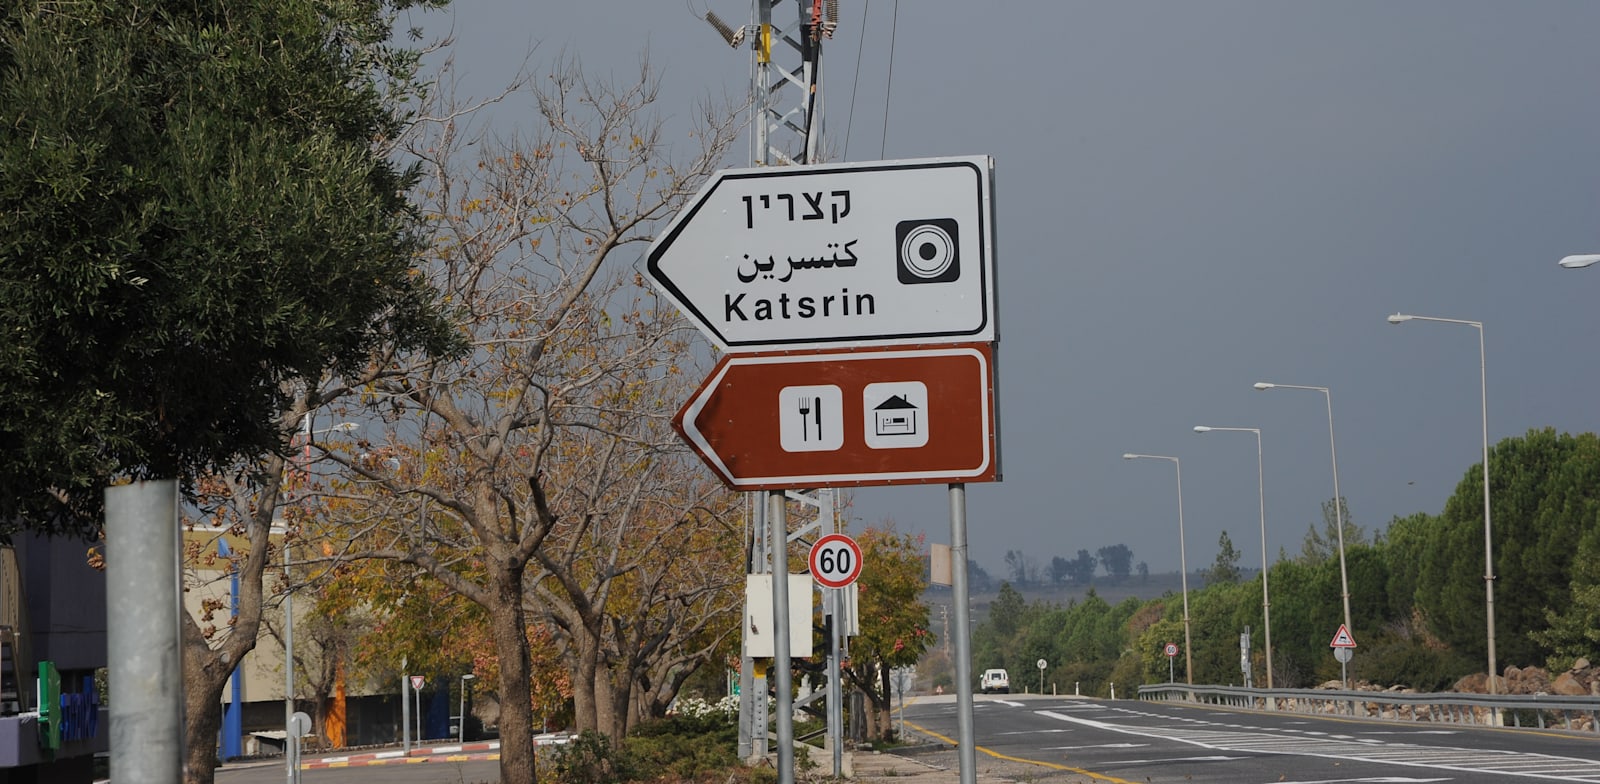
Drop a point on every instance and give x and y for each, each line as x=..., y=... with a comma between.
x=1338, y=500
x=461, y=728
x=1183, y=564
x=290, y=759
x=1579, y=262
x=1266, y=603
x=1488, y=538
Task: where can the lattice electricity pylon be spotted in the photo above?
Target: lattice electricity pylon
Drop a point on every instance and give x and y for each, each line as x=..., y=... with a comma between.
x=786, y=124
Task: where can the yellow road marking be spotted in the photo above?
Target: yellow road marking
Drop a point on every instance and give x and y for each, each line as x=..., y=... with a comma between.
x=1051, y=765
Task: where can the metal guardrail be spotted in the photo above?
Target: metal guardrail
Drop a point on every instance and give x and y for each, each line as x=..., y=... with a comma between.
x=1577, y=714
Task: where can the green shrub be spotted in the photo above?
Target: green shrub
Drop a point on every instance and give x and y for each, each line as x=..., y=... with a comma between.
x=590, y=759
x=686, y=744
x=684, y=755
x=1414, y=665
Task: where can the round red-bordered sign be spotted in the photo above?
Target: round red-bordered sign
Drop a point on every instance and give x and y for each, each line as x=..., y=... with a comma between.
x=835, y=561
x=1172, y=649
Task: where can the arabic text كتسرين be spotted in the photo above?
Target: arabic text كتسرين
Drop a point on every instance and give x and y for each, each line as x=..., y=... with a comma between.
x=765, y=269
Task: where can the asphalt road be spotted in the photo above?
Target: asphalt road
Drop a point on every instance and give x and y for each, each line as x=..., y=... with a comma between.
x=1046, y=739
x=1074, y=741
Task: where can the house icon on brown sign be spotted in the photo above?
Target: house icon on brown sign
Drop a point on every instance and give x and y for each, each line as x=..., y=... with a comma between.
x=895, y=417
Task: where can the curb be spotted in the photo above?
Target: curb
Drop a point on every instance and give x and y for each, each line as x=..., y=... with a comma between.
x=452, y=753
x=456, y=752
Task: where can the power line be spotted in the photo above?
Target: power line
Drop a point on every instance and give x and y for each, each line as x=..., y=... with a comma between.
x=894, y=25
x=850, y=116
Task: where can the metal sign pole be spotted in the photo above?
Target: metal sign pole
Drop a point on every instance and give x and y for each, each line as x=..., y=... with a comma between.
x=405, y=709
x=288, y=657
x=835, y=691
x=778, y=528
x=966, y=750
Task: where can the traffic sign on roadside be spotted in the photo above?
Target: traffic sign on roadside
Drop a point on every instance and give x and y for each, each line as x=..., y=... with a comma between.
x=874, y=253
x=835, y=561
x=827, y=419
x=1172, y=649
x=417, y=681
x=1342, y=638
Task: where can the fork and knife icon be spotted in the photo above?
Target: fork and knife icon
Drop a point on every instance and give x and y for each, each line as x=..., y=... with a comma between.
x=810, y=407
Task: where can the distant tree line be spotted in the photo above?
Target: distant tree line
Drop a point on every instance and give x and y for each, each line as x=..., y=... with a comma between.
x=1416, y=592
x=1116, y=560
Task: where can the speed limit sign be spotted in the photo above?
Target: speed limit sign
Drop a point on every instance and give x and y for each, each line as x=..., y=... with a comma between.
x=1172, y=649
x=835, y=561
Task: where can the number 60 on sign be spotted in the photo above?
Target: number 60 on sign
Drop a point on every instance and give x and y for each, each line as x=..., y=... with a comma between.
x=835, y=561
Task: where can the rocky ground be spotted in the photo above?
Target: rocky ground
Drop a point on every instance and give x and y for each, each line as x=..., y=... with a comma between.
x=1582, y=680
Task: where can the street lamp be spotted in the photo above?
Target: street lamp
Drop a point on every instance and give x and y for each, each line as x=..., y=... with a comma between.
x=1266, y=604
x=461, y=728
x=1581, y=261
x=1183, y=564
x=1338, y=500
x=290, y=761
x=1488, y=539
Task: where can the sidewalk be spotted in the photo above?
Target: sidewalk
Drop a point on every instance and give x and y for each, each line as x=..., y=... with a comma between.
x=940, y=767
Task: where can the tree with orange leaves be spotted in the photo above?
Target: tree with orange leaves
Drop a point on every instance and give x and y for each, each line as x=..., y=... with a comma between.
x=536, y=477
x=894, y=620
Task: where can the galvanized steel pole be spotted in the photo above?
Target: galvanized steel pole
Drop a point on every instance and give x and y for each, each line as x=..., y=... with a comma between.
x=1261, y=485
x=1183, y=564
x=835, y=690
x=1338, y=507
x=143, y=591
x=778, y=529
x=1488, y=536
x=966, y=750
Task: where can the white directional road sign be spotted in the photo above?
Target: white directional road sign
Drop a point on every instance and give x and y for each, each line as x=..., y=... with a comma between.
x=874, y=253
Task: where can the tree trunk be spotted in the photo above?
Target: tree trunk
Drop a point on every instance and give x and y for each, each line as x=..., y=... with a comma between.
x=510, y=629
x=870, y=730
x=607, y=721
x=585, y=700
x=204, y=678
x=883, y=702
x=620, y=688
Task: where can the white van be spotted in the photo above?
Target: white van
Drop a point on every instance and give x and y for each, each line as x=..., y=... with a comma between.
x=995, y=681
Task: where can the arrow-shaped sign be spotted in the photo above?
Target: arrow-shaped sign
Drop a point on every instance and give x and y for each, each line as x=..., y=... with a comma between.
x=838, y=255
x=828, y=419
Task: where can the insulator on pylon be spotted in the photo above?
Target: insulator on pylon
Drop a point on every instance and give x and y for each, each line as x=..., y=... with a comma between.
x=832, y=11
x=728, y=34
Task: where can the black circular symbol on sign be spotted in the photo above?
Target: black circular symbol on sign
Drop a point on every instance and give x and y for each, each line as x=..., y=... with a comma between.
x=927, y=251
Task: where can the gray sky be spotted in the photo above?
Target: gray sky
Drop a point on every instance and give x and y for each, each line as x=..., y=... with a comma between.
x=1192, y=197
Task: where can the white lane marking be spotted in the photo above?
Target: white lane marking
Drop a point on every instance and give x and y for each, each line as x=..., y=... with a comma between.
x=1032, y=732
x=1164, y=760
x=1410, y=732
x=1008, y=702
x=1379, y=780
x=1098, y=746
x=1509, y=763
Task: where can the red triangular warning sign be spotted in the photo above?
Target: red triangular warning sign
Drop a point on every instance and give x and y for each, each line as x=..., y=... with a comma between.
x=1342, y=638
